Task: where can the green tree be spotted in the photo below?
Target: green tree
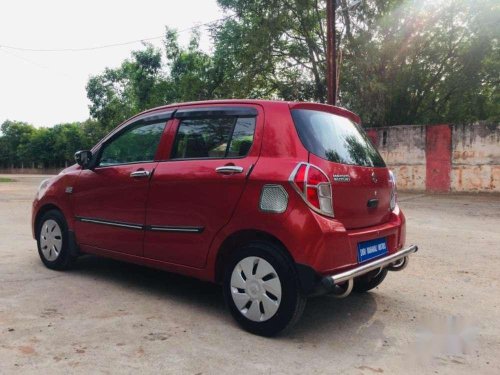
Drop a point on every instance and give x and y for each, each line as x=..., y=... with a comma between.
x=16, y=136
x=273, y=49
x=191, y=71
x=92, y=132
x=42, y=148
x=119, y=93
x=402, y=61
x=421, y=62
x=146, y=81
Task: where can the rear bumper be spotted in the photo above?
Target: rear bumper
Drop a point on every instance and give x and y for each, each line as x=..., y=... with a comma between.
x=393, y=259
x=328, y=247
x=341, y=283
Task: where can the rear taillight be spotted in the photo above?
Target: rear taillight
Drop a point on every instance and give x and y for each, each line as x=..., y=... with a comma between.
x=394, y=193
x=314, y=187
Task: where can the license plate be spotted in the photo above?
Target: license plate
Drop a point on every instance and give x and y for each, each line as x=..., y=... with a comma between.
x=371, y=249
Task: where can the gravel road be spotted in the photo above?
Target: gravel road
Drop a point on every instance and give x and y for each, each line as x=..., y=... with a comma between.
x=440, y=315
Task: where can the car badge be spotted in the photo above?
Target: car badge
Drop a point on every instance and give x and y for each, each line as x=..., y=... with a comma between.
x=374, y=178
x=341, y=178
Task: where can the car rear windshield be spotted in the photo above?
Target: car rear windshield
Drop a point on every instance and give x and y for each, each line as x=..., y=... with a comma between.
x=335, y=138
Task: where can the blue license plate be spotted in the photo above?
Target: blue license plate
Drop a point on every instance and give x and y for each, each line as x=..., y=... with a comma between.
x=371, y=249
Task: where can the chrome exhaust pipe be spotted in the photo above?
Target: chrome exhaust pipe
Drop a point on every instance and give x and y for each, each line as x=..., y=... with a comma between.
x=399, y=265
x=342, y=291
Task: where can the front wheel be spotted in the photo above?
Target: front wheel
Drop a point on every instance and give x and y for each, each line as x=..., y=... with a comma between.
x=262, y=290
x=52, y=241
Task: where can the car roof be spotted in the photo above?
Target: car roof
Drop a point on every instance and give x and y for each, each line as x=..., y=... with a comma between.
x=262, y=102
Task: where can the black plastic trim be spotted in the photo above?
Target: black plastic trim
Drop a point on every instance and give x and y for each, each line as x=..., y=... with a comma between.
x=215, y=112
x=250, y=170
x=74, y=250
x=308, y=278
x=158, y=117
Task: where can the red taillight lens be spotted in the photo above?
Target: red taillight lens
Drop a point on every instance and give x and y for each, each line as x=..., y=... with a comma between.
x=300, y=176
x=314, y=187
x=316, y=176
x=312, y=197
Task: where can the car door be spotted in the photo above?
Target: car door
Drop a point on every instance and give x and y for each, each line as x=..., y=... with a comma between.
x=194, y=193
x=110, y=199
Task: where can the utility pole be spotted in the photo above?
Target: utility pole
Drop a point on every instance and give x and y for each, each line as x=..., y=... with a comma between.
x=331, y=53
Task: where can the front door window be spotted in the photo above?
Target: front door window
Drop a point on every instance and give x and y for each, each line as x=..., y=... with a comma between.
x=137, y=144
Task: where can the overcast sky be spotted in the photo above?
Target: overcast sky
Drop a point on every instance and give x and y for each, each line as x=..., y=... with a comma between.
x=46, y=88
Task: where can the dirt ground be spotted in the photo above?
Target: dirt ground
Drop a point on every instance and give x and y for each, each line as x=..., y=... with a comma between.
x=440, y=315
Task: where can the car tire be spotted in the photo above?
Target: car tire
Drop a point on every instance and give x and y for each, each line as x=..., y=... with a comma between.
x=370, y=281
x=53, y=241
x=262, y=290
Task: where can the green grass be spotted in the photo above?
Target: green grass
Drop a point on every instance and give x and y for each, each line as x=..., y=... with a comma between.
x=6, y=179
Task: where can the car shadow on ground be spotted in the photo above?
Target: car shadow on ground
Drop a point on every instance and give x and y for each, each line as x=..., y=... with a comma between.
x=326, y=317
x=323, y=317
x=150, y=281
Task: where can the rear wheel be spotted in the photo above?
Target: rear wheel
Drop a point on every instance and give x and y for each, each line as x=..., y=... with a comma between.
x=52, y=241
x=369, y=281
x=262, y=290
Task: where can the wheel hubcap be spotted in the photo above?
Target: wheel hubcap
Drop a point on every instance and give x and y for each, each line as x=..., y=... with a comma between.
x=256, y=289
x=51, y=240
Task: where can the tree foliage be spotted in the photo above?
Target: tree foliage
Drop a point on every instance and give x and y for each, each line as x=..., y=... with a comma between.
x=136, y=85
x=400, y=62
x=23, y=145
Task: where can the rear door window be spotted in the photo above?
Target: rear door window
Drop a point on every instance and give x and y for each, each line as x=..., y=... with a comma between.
x=335, y=138
x=214, y=138
x=242, y=138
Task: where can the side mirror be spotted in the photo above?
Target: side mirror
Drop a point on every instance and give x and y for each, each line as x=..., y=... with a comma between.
x=83, y=158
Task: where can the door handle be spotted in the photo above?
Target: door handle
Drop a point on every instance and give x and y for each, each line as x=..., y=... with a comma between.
x=140, y=173
x=229, y=169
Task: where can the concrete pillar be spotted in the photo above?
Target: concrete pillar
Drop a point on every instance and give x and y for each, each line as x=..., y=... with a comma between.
x=438, y=154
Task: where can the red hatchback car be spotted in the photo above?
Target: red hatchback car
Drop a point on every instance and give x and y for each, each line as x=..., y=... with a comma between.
x=275, y=200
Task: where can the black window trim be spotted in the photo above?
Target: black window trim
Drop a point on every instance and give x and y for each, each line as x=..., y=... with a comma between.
x=231, y=134
x=147, y=119
x=157, y=117
x=220, y=111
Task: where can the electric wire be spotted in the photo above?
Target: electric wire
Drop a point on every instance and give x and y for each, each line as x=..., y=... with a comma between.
x=24, y=49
